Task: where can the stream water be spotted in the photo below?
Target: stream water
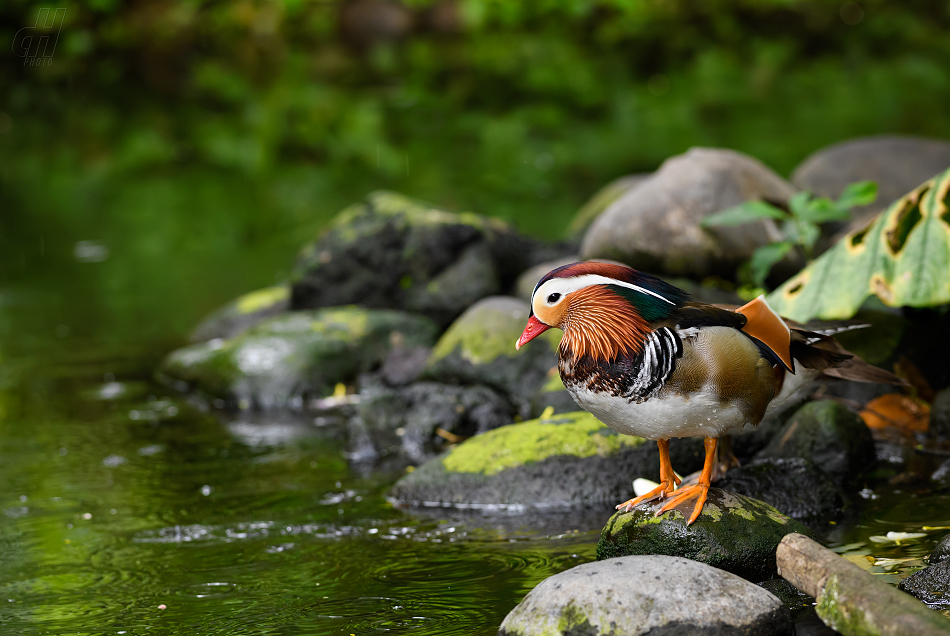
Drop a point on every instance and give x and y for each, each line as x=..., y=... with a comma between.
x=127, y=510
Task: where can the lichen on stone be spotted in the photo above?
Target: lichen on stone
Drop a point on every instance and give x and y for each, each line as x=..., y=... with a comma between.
x=262, y=299
x=578, y=434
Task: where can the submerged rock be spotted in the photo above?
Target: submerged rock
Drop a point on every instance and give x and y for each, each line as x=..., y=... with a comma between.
x=793, y=485
x=656, y=226
x=646, y=595
x=569, y=460
x=734, y=533
x=931, y=585
x=479, y=348
x=392, y=252
x=420, y=420
x=828, y=434
x=243, y=312
x=793, y=598
x=289, y=359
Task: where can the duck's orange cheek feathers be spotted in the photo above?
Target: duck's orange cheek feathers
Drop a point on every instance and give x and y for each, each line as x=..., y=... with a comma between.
x=533, y=329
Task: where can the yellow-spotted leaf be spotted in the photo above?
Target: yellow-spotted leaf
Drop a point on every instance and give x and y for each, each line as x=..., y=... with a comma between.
x=902, y=257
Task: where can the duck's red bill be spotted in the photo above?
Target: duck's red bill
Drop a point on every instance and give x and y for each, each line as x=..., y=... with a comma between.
x=534, y=329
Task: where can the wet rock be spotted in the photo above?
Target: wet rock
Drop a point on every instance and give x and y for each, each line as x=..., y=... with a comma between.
x=392, y=252
x=405, y=365
x=656, y=226
x=479, y=348
x=793, y=598
x=565, y=461
x=753, y=439
x=931, y=585
x=293, y=357
x=528, y=279
x=243, y=312
x=420, y=420
x=646, y=595
x=897, y=163
x=942, y=474
x=940, y=415
x=734, y=533
x=601, y=200
x=828, y=434
x=941, y=551
x=793, y=485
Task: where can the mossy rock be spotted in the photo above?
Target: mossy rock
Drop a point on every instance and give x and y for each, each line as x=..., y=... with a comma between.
x=390, y=251
x=295, y=356
x=828, y=434
x=601, y=200
x=734, y=533
x=479, y=348
x=242, y=313
x=569, y=460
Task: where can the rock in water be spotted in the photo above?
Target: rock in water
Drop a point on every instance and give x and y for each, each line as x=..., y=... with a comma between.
x=566, y=461
x=656, y=595
x=931, y=585
x=479, y=348
x=393, y=252
x=656, y=226
x=734, y=533
x=828, y=434
x=294, y=357
x=242, y=313
x=793, y=485
x=941, y=551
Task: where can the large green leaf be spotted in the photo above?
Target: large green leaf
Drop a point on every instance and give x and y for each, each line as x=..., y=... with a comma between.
x=903, y=258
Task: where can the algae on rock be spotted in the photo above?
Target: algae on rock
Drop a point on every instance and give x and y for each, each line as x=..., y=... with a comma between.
x=734, y=533
x=295, y=356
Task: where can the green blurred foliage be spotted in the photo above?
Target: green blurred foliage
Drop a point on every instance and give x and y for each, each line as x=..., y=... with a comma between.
x=203, y=140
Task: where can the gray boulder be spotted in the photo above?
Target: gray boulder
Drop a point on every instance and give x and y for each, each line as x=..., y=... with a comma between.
x=602, y=200
x=289, y=359
x=646, y=595
x=479, y=348
x=565, y=461
x=735, y=533
x=421, y=420
x=897, y=163
x=243, y=312
x=392, y=252
x=931, y=585
x=829, y=435
x=656, y=226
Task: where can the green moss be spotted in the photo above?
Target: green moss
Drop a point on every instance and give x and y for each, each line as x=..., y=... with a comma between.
x=482, y=336
x=578, y=434
x=840, y=618
x=262, y=299
x=574, y=621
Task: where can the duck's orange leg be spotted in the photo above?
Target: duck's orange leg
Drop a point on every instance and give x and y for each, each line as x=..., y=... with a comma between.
x=700, y=490
x=668, y=479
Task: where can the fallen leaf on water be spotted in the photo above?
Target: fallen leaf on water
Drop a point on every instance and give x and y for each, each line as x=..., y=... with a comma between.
x=897, y=537
x=899, y=411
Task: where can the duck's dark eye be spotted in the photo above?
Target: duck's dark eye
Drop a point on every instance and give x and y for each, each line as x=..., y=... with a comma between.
x=553, y=298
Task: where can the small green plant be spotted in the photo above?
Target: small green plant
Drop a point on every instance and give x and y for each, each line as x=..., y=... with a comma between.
x=800, y=226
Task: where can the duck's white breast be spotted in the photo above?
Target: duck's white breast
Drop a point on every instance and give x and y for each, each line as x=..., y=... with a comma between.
x=699, y=415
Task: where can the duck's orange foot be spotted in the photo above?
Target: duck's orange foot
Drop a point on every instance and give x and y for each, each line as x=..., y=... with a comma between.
x=660, y=492
x=698, y=493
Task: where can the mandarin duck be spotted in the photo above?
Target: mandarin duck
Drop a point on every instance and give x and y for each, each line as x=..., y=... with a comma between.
x=643, y=359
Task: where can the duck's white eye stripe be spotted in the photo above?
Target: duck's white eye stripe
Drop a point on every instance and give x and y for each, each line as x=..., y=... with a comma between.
x=567, y=285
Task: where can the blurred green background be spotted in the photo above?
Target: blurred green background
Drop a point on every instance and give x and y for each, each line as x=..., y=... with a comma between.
x=198, y=143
